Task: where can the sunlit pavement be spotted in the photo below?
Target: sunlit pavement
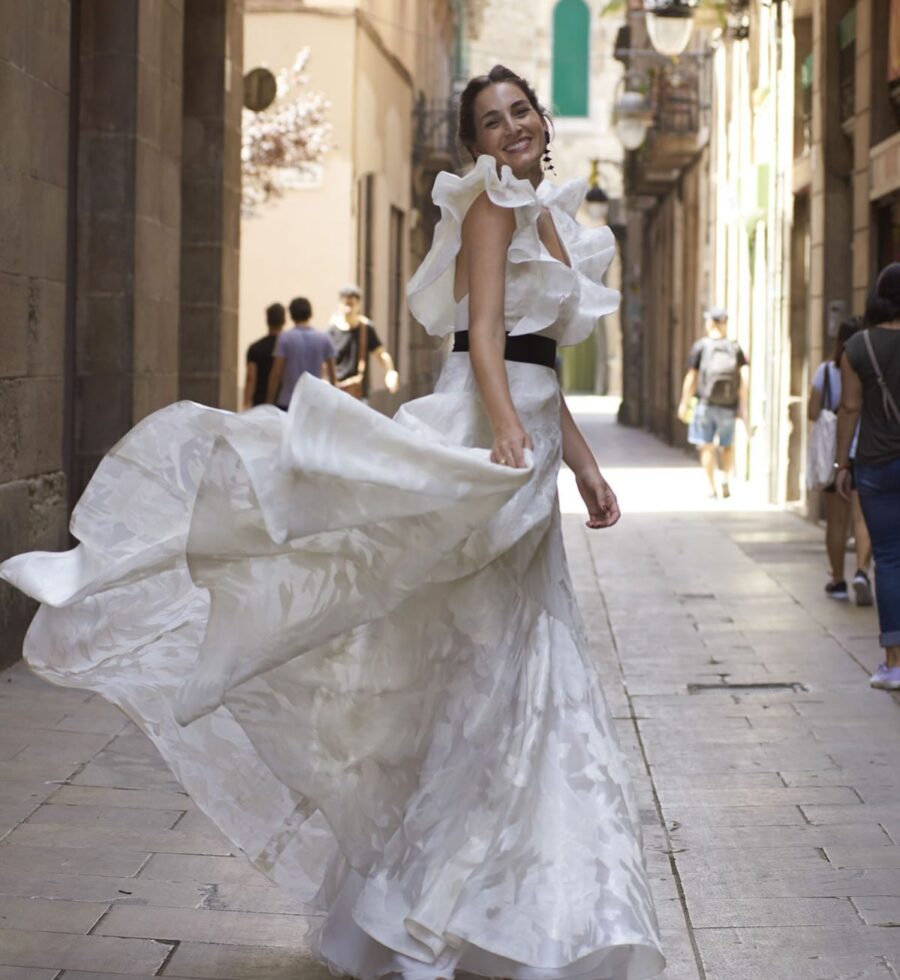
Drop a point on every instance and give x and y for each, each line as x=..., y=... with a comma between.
x=765, y=767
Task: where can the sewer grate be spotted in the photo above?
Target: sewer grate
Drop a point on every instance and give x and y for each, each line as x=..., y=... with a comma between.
x=794, y=686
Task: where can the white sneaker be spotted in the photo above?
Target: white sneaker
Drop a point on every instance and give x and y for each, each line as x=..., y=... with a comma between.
x=863, y=588
x=887, y=678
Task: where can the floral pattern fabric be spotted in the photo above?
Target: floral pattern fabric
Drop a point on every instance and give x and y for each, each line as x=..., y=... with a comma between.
x=355, y=641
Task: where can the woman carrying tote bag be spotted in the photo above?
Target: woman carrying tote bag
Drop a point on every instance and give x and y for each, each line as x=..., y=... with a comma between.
x=824, y=399
x=870, y=376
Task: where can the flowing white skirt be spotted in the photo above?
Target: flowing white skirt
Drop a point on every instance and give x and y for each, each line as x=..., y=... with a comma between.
x=355, y=642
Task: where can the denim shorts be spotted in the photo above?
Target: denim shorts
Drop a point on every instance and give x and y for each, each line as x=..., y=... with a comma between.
x=709, y=421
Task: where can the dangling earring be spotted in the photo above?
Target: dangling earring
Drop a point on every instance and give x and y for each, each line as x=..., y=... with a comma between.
x=548, y=160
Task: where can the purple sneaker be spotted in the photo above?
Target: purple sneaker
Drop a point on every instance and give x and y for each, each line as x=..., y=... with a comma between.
x=887, y=678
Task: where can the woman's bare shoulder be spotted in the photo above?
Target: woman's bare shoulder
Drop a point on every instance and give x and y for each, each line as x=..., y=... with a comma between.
x=484, y=217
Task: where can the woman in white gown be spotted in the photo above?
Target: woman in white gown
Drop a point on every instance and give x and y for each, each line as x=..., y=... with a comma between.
x=355, y=640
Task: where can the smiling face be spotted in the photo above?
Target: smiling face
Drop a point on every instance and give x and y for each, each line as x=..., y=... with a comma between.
x=510, y=129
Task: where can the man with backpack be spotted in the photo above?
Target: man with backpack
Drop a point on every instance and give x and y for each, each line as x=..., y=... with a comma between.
x=718, y=374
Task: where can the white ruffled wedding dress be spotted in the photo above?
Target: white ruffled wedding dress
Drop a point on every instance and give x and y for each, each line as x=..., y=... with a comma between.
x=355, y=642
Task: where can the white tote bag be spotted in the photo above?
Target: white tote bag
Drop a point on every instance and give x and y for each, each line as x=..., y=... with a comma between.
x=822, y=449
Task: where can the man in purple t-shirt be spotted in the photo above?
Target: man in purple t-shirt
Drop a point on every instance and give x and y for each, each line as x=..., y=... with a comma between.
x=300, y=349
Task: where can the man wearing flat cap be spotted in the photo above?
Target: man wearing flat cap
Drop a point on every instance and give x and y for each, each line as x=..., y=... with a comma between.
x=718, y=374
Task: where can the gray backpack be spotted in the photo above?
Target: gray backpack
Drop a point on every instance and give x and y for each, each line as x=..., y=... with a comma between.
x=720, y=372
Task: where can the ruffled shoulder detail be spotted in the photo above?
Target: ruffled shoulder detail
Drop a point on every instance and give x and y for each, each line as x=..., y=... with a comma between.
x=542, y=294
x=591, y=252
x=430, y=291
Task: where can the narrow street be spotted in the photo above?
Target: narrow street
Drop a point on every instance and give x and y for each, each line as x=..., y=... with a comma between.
x=765, y=766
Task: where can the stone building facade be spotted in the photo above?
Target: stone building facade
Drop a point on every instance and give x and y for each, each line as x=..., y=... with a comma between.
x=119, y=225
x=782, y=209
x=388, y=69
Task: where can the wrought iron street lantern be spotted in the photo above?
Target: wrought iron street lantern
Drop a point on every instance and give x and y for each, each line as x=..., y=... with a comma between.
x=596, y=199
x=670, y=24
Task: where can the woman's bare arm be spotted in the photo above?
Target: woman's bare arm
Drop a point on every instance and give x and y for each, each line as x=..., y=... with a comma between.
x=814, y=406
x=598, y=497
x=486, y=234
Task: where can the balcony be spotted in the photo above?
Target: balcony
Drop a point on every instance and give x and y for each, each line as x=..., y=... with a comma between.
x=434, y=140
x=680, y=129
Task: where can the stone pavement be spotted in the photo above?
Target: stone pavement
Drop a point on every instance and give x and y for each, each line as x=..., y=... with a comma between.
x=763, y=761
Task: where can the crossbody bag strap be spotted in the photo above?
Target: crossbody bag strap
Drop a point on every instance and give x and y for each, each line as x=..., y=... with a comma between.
x=887, y=399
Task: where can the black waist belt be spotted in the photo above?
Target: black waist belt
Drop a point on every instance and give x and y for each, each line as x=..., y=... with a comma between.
x=529, y=348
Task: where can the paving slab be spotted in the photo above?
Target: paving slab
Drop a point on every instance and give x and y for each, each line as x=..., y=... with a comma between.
x=166, y=841
x=26, y=973
x=215, y=961
x=50, y=916
x=879, y=910
x=114, y=818
x=204, y=925
x=143, y=891
x=69, y=860
x=96, y=954
x=723, y=913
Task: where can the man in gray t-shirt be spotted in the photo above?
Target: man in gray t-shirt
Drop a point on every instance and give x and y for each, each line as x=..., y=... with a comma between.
x=300, y=349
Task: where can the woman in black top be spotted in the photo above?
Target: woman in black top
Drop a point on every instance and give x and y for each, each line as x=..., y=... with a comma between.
x=870, y=376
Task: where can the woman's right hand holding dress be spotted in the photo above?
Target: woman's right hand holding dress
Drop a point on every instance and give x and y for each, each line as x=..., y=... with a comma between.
x=486, y=233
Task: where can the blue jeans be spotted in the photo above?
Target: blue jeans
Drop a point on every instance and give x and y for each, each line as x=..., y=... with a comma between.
x=879, y=496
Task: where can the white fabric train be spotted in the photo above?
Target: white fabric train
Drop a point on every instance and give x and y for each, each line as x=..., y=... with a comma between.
x=355, y=642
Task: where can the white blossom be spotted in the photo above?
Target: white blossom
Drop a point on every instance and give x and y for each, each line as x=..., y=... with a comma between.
x=291, y=133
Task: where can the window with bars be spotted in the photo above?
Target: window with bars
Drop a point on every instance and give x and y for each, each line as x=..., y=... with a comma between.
x=847, y=67
x=806, y=102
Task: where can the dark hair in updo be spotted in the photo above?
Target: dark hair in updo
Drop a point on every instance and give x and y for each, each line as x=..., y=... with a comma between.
x=466, y=131
x=883, y=303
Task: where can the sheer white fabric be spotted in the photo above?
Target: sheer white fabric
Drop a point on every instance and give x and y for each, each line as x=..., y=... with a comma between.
x=355, y=641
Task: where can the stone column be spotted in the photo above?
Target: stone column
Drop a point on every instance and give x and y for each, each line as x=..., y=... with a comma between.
x=862, y=142
x=34, y=183
x=128, y=219
x=832, y=161
x=211, y=187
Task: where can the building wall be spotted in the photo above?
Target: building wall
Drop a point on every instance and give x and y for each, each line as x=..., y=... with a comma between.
x=801, y=192
x=854, y=173
x=304, y=243
x=94, y=291
x=34, y=186
x=370, y=60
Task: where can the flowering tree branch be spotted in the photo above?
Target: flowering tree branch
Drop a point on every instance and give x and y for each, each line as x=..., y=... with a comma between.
x=291, y=134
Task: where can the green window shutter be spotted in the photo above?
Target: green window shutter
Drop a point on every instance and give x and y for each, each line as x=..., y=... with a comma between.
x=847, y=29
x=806, y=72
x=571, y=57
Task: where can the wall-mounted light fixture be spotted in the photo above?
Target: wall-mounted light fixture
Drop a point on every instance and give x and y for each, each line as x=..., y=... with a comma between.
x=670, y=24
x=632, y=117
x=596, y=199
